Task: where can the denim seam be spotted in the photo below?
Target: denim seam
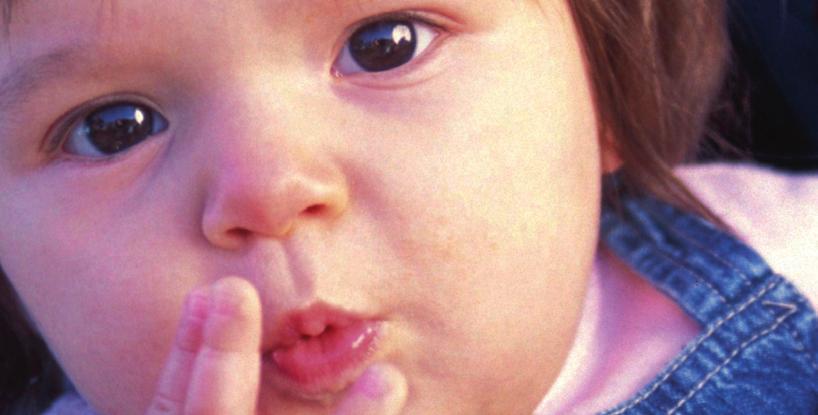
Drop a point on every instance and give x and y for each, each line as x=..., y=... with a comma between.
x=677, y=262
x=672, y=228
x=695, y=274
x=796, y=337
x=792, y=310
x=710, y=331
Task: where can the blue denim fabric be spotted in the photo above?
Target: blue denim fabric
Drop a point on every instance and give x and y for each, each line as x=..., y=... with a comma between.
x=757, y=350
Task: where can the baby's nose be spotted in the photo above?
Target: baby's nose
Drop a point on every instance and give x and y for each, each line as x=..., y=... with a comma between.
x=265, y=182
x=245, y=202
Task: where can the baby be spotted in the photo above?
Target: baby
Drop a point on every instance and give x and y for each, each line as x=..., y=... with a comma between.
x=376, y=207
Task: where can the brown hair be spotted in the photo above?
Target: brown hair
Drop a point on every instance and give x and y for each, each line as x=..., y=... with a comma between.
x=30, y=378
x=655, y=67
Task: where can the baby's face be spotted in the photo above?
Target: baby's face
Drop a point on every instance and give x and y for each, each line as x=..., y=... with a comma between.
x=446, y=187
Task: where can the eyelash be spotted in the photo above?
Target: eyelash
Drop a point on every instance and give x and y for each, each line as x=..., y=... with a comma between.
x=410, y=15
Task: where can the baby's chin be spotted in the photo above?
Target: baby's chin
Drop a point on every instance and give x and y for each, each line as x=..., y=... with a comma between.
x=277, y=402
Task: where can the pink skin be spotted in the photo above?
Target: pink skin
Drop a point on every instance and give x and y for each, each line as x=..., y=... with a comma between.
x=455, y=199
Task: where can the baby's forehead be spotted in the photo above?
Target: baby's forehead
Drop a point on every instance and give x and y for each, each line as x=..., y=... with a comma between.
x=101, y=19
x=8, y=6
x=330, y=9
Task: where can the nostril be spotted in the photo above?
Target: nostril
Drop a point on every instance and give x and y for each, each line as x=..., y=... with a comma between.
x=315, y=209
x=239, y=233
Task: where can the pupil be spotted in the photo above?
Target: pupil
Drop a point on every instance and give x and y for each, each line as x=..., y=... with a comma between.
x=384, y=45
x=117, y=127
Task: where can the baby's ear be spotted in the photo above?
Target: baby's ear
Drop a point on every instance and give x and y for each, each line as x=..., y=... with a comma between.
x=608, y=152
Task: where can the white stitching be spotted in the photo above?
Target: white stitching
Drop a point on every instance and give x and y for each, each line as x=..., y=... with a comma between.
x=685, y=238
x=681, y=265
x=672, y=228
x=797, y=337
x=696, y=345
x=696, y=275
x=742, y=346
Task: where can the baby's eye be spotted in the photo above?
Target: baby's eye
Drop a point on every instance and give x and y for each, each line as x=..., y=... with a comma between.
x=113, y=128
x=384, y=45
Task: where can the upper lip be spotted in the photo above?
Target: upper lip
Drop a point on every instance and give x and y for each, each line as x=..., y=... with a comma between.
x=310, y=321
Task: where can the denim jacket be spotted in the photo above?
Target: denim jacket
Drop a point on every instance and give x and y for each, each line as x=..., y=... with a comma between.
x=759, y=343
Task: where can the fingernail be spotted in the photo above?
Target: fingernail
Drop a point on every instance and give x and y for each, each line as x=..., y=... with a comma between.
x=227, y=298
x=372, y=384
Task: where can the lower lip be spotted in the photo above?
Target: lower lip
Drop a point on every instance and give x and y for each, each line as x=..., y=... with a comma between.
x=321, y=366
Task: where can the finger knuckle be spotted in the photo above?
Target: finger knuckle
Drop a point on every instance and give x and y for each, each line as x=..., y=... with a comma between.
x=189, y=337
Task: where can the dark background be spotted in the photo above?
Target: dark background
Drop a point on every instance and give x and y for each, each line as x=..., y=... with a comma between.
x=769, y=108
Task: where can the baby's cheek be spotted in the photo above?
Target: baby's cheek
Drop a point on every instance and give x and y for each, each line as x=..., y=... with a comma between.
x=115, y=358
x=107, y=313
x=482, y=310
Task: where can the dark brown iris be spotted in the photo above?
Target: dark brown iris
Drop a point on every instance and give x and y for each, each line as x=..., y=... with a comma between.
x=116, y=127
x=383, y=45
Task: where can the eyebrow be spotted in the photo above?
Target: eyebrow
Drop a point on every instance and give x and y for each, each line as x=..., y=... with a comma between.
x=29, y=75
x=6, y=7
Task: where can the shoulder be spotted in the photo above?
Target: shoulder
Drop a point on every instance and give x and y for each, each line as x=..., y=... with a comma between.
x=774, y=212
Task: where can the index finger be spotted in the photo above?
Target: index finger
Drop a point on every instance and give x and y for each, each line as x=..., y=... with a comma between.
x=227, y=370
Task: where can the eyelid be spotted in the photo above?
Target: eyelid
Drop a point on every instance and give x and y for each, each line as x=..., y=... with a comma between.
x=412, y=15
x=58, y=132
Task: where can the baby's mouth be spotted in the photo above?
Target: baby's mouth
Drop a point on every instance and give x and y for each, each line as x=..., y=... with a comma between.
x=320, y=351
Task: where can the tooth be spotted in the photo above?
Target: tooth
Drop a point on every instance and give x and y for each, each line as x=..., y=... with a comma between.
x=313, y=328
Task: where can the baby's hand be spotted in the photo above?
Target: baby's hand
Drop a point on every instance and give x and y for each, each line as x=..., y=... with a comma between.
x=214, y=366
